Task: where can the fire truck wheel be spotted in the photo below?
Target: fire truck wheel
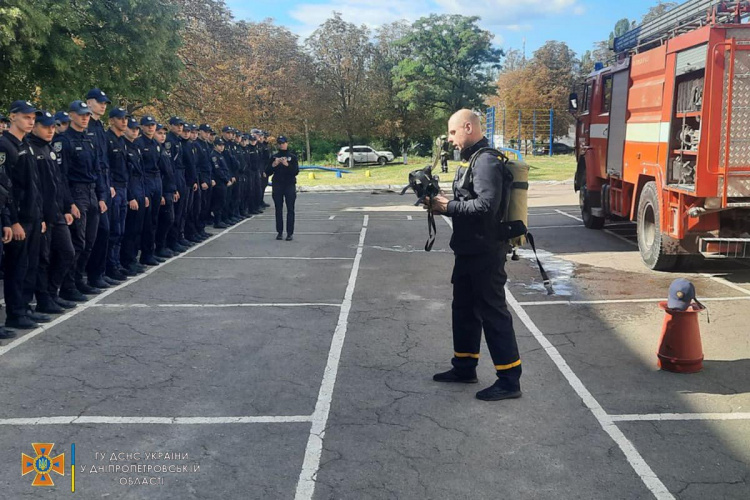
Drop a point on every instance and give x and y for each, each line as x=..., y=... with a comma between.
x=649, y=231
x=589, y=220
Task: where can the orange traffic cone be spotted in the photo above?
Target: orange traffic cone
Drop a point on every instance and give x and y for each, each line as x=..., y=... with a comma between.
x=680, y=348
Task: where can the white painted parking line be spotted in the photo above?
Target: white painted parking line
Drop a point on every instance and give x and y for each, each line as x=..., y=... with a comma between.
x=409, y=217
x=296, y=233
x=726, y=282
x=634, y=458
x=612, y=233
x=545, y=213
x=555, y=227
x=331, y=217
x=314, y=449
x=269, y=258
x=218, y=306
x=81, y=420
x=84, y=306
x=619, y=301
x=669, y=417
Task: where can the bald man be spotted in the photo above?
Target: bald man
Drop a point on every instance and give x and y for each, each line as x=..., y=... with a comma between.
x=479, y=276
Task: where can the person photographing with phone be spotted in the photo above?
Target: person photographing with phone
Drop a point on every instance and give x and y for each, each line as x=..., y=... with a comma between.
x=284, y=167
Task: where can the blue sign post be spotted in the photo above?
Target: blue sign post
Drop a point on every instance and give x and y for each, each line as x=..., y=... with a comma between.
x=490, y=119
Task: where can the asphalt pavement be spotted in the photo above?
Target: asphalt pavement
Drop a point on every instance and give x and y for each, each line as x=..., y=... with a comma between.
x=254, y=368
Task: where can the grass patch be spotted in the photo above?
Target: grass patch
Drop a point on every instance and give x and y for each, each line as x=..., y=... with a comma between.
x=544, y=168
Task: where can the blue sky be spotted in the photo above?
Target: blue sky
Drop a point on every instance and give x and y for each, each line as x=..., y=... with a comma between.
x=579, y=23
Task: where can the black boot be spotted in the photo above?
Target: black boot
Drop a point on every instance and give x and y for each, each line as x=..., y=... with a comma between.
x=453, y=375
x=45, y=304
x=497, y=392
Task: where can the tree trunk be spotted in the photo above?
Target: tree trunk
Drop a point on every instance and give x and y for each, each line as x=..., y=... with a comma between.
x=307, y=142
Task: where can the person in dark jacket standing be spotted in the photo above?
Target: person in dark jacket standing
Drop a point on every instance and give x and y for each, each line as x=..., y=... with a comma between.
x=222, y=181
x=97, y=102
x=117, y=156
x=23, y=215
x=150, y=153
x=479, y=272
x=56, y=254
x=284, y=167
x=206, y=173
x=138, y=202
x=81, y=166
x=169, y=195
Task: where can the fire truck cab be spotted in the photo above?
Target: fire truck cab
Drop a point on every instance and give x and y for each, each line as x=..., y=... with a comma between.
x=663, y=135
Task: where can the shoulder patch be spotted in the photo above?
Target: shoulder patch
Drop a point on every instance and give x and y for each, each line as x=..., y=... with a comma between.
x=57, y=146
x=158, y=149
x=2, y=158
x=168, y=145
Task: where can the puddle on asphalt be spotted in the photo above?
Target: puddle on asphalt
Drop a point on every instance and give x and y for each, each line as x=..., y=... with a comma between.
x=559, y=271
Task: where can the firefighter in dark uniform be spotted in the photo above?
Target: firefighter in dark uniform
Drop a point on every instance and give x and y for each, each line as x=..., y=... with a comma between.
x=479, y=272
x=201, y=166
x=205, y=171
x=175, y=239
x=56, y=254
x=188, y=231
x=97, y=102
x=254, y=165
x=227, y=134
x=168, y=195
x=117, y=155
x=265, y=156
x=222, y=177
x=22, y=218
x=81, y=166
x=138, y=202
x=284, y=168
x=150, y=152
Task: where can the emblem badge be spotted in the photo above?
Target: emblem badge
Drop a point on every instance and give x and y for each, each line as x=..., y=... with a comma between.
x=2, y=158
x=57, y=147
x=53, y=155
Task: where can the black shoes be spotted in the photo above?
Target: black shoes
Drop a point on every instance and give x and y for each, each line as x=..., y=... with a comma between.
x=453, y=375
x=48, y=306
x=111, y=281
x=86, y=289
x=21, y=323
x=149, y=261
x=37, y=317
x=220, y=225
x=6, y=334
x=279, y=237
x=117, y=275
x=160, y=260
x=98, y=282
x=66, y=304
x=73, y=295
x=165, y=253
x=289, y=237
x=496, y=392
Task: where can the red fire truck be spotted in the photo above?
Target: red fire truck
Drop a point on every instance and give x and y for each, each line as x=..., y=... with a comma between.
x=663, y=135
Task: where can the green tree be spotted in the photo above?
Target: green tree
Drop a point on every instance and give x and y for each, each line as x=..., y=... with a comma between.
x=658, y=10
x=448, y=70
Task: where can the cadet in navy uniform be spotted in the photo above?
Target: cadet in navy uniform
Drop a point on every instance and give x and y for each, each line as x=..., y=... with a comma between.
x=81, y=166
x=479, y=272
x=223, y=180
x=119, y=176
x=284, y=167
x=150, y=153
x=138, y=202
x=254, y=174
x=188, y=230
x=169, y=195
x=203, y=166
x=195, y=212
x=97, y=102
x=206, y=143
x=227, y=134
x=22, y=218
x=62, y=122
x=55, y=241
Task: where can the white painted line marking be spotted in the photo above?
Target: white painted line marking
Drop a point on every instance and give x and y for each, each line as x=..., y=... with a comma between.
x=83, y=306
x=218, y=306
x=331, y=217
x=636, y=461
x=155, y=420
x=611, y=233
x=546, y=213
x=409, y=217
x=296, y=233
x=667, y=417
x=726, y=282
x=619, y=301
x=269, y=258
x=314, y=449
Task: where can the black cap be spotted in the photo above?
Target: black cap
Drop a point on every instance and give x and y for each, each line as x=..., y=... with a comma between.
x=281, y=139
x=204, y=127
x=24, y=107
x=98, y=95
x=45, y=118
x=148, y=120
x=62, y=117
x=219, y=141
x=119, y=113
x=3, y=119
x=133, y=123
x=176, y=120
x=227, y=129
x=80, y=108
x=161, y=126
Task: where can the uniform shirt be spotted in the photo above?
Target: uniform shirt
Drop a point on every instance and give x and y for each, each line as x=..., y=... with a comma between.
x=56, y=197
x=99, y=137
x=168, y=183
x=283, y=175
x=25, y=202
x=220, y=170
x=189, y=162
x=203, y=160
x=150, y=152
x=81, y=160
x=230, y=159
x=136, y=186
x=477, y=201
x=253, y=157
x=117, y=158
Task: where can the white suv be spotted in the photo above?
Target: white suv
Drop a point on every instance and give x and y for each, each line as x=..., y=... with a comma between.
x=364, y=154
